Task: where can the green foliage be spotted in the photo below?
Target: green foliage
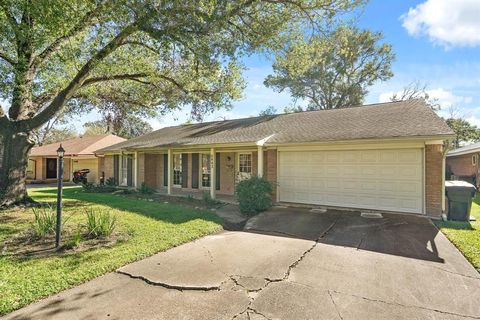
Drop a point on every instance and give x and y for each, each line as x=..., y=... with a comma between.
x=333, y=70
x=144, y=189
x=465, y=235
x=208, y=201
x=100, y=223
x=121, y=124
x=464, y=132
x=44, y=221
x=31, y=278
x=269, y=111
x=74, y=241
x=97, y=188
x=111, y=182
x=254, y=195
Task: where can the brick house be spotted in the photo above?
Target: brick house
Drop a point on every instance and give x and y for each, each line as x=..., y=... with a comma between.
x=462, y=164
x=383, y=157
x=79, y=154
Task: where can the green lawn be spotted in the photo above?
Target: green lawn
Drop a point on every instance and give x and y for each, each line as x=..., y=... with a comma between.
x=466, y=235
x=150, y=226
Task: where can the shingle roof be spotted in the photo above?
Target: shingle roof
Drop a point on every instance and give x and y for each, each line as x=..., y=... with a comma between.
x=475, y=147
x=384, y=120
x=79, y=146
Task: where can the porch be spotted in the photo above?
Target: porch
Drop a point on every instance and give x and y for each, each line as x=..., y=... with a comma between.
x=193, y=171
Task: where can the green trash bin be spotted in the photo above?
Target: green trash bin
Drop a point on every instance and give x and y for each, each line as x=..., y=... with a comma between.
x=460, y=195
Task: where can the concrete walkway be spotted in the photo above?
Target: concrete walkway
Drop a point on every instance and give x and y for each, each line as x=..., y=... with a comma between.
x=290, y=264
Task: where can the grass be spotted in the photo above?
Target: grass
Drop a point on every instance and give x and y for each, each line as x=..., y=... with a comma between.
x=465, y=235
x=151, y=227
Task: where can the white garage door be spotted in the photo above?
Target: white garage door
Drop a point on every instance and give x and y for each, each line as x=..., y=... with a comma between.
x=366, y=179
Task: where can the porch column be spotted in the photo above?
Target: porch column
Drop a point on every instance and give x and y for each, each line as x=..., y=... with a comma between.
x=213, y=171
x=260, y=162
x=135, y=169
x=170, y=171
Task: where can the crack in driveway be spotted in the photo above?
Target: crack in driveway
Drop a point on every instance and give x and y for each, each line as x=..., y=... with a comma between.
x=170, y=286
x=285, y=277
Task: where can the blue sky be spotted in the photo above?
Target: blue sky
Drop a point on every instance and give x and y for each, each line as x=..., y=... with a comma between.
x=437, y=42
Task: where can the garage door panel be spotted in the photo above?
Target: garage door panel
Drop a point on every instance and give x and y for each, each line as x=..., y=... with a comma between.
x=370, y=179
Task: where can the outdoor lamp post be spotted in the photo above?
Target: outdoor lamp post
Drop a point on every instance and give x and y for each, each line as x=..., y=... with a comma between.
x=58, y=229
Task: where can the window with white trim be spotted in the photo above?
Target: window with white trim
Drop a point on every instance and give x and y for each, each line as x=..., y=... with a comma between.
x=245, y=163
x=177, y=169
x=474, y=160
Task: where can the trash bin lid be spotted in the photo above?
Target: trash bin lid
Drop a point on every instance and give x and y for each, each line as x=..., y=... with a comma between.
x=459, y=185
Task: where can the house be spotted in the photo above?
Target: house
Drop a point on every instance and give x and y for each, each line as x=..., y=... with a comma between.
x=79, y=154
x=462, y=164
x=385, y=156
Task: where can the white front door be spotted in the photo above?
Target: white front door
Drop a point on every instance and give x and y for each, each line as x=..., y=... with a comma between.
x=367, y=179
x=244, y=166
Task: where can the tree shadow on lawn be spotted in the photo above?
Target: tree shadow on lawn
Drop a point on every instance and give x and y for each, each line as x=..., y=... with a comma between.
x=166, y=212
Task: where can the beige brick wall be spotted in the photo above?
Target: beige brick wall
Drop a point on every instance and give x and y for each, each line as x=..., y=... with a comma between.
x=434, y=179
x=108, y=167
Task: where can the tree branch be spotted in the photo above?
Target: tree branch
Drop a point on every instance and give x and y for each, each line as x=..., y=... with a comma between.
x=59, y=42
x=76, y=83
x=133, y=76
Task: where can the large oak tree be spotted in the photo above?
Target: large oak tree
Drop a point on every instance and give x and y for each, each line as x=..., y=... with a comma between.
x=146, y=53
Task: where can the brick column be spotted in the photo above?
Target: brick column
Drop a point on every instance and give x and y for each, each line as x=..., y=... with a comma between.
x=270, y=161
x=433, y=179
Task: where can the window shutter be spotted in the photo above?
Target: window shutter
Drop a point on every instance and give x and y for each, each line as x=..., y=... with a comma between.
x=165, y=170
x=116, y=168
x=217, y=171
x=184, y=170
x=195, y=166
x=129, y=172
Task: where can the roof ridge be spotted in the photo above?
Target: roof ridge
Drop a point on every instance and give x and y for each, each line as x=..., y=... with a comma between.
x=409, y=101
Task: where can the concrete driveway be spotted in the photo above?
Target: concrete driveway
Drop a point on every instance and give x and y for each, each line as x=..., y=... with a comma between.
x=289, y=264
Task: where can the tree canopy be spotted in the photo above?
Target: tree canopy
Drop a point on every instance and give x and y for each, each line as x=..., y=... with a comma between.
x=152, y=54
x=333, y=70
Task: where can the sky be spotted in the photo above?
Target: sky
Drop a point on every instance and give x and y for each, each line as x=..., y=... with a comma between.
x=436, y=42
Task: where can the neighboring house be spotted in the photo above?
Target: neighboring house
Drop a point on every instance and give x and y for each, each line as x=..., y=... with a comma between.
x=79, y=154
x=462, y=164
x=383, y=156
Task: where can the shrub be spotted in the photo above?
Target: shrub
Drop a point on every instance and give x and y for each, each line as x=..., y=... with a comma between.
x=254, y=195
x=111, y=182
x=74, y=241
x=207, y=199
x=88, y=187
x=100, y=223
x=45, y=219
x=97, y=188
x=145, y=189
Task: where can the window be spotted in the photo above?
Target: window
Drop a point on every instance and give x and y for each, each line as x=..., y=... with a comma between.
x=205, y=169
x=245, y=163
x=177, y=169
x=474, y=160
x=124, y=171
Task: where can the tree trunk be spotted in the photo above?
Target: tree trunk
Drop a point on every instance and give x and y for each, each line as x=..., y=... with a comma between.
x=14, y=150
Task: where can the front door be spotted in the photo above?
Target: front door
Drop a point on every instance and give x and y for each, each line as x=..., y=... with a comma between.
x=51, y=168
x=244, y=166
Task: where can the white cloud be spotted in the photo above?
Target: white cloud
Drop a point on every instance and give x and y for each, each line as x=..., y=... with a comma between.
x=446, y=22
x=445, y=98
